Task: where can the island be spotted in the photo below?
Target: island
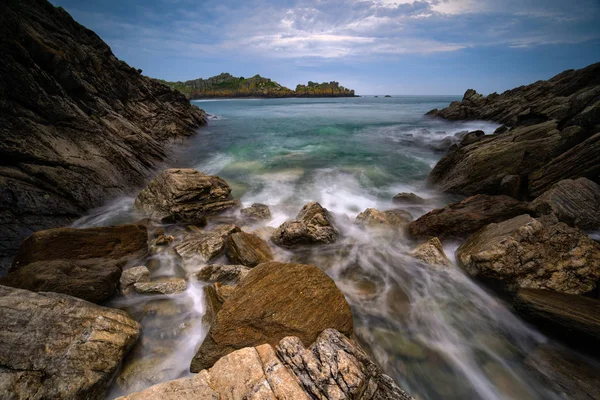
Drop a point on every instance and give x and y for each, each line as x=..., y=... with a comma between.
x=226, y=85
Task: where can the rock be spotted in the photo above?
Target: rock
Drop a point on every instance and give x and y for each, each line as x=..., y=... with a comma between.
x=332, y=368
x=203, y=246
x=223, y=291
x=572, y=318
x=511, y=185
x=313, y=225
x=117, y=243
x=373, y=218
x=54, y=346
x=574, y=202
x=256, y=212
x=408, y=199
x=264, y=232
x=213, y=305
x=166, y=286
x=527, y=253
x=432, y=253
x=501, y=129
x=93, y=280
x=131, y=276
x=184, y=195
x=78, y=126
x=273, y=301
x=223, y=273
x=247, y=249
x=471, y=137
x=458, y=220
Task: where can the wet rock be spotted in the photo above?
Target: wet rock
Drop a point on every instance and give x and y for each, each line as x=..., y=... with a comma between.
x=166, y=286
x=131, y=276
x=399, y=344
x=408, y=199
x=373, y=218
x=54, y=346
x=256, y=212
x=247, y=249
x=313, y=225
x=223, y=291
x=273, y=301
x=93, y=280
x=511, y=186
x=458, y=220
x=163, y=240
x=203, y=246
x=139, y=373
x=501, y=129
x=471, y=137
x=165, y=261
x=527, y=253
x=184, y=195
x=574, y=202
x=264, y=232
x=223, y=273
x=122, y=242
x=432, y=253
x=573, y=318
x=213, y=305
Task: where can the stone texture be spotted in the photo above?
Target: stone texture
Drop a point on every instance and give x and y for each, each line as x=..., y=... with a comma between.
x=273, y=301
x=213, y=304
x=458, y=220
x=203, y=246
x=408, y=199
x=78, y=126
x=131, y=276
x=574, y=202
x=432, y=253
x=373, y=218
x=313, y=225
x=256, y=212
x=222, y=273
x=165, y=286
x=247, y=249
x=54, y=346
x=527, y=253
x=184, y=195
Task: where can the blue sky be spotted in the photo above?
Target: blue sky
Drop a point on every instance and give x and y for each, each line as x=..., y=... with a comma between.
x=372, y=46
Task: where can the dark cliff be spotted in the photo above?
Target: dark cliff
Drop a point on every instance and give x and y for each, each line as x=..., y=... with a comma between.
x=77, y=126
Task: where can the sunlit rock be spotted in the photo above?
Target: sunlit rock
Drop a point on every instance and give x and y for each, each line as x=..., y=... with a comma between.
x=313, y=225
x=432, y=253
x=373, y=218
x=165, y=286
x=256, y=212
x=131, y=276
x=247, y=249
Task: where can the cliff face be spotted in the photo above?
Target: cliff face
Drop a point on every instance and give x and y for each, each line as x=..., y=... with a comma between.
x=77, y=126
x=331, y=89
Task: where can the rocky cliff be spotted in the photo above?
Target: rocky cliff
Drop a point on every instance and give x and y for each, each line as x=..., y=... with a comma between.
x=325, y=89
x=554, y=135
x=77, y=126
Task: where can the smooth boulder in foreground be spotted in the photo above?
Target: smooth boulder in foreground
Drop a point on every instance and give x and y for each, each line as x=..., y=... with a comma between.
x=184, y=195
x=273, y=301
x=313, y=225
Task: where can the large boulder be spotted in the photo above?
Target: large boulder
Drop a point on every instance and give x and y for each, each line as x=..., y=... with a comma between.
x=332, y=368
x=313, y=225
x=373, y=218
x=54, y=346
x=184, y=195
x=575, y=202
x=458, y=220
x=247, y=249
x=527, y=253
x=572, y=318
x=203, y=246
x=273, y=301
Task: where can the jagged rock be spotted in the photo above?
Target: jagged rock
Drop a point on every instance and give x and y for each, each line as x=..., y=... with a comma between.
x=332, y=368
x=527, y=253
x=117, y=243
x=458, y=220
x=184, y=195
x=223, y=291
x=471, y=137
x=408, y=198
x=256, y=212
x=93, y=280
x=575, y=202
x=166, y=286
x=374, y=218
x=432, y=253
x=131, y=276
x=78, y=126
x=273, y=301
x=213, y=305
x=572, y=318
x=223, y=273
x=247, y=249
x=205, y=245
x=54, y=346
x=313, y=225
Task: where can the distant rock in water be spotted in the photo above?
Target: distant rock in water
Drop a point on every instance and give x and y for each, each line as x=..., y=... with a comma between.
x=325, y=89
x=77, y=125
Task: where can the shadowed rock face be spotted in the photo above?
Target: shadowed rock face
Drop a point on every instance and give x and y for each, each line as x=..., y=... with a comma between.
x=77, y=126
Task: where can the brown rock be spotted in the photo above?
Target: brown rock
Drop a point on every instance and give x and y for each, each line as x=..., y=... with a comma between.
x=374, y=218
x=165, y=286
x=213, y=305
x=222, y=273
x=131, y=276
x=247, y=249
x=527, y=253
x=432, y=253
x=223, y=291
x=256, y=212
x=203, y=246
x=184, y=195
x=458, y=220
x=408, y=199
x=313, y=225
x=273, y=301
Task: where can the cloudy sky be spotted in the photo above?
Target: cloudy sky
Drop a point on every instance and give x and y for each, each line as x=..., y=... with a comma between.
x=373, y=46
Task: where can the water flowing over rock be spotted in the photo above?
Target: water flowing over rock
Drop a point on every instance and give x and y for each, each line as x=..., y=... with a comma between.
x=256, y=212
x=313, y=225
x=432, y=253
x=373, y=218
x=575, y=202
x=131, y=276
x=78, y=126
x=247, y=249
x=458, y=220
x=332, y=368
x=165, y=286
x=527, y=253
x=184, y=196
x=54, y=346
x=273, y=301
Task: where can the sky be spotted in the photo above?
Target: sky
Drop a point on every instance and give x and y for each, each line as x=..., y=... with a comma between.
x=373, y=46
